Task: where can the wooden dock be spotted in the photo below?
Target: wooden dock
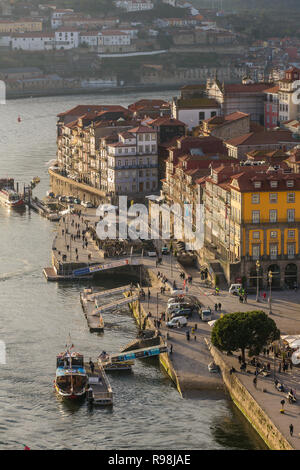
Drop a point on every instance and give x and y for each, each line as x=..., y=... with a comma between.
x=95, y=322
x=100, y=391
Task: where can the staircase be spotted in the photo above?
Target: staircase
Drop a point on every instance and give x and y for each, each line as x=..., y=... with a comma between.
x=217, y=270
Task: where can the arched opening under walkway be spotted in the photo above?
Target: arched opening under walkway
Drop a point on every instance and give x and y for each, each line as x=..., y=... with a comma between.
x=275, y=270
x=291, y=275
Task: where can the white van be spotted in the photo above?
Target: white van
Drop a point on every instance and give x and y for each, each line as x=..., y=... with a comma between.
x=173, y=306
x=234, y=289
x=177, y=322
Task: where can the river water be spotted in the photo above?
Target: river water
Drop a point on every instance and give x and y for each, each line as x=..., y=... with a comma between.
x=36, y=318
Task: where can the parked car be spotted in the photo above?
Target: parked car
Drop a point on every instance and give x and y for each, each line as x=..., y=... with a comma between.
x=87, y=204
x=62, y=199
x=151, y=253
x=184, y=312
x=234, y=289
x=77, y=201
x=206, y=314
x=177, y=322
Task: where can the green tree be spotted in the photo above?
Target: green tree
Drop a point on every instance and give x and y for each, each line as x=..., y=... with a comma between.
x=244, y=330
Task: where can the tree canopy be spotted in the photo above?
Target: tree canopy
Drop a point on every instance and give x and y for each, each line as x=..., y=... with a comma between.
x=244, y=330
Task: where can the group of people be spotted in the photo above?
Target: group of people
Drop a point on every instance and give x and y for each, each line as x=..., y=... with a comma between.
x=218, y=307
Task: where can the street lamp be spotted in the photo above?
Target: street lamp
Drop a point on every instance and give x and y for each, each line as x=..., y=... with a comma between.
x=270, y=276
x=257, y=280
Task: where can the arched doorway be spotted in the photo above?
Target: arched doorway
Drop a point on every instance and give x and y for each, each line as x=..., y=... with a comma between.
x=275, y=269
x=253, y=277
x=291, y=275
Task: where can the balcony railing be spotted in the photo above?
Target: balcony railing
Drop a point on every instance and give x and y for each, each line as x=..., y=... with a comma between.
x=268, y=221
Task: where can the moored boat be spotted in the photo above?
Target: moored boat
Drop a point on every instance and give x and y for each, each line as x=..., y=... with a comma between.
x=10, y=198
x=71, y=379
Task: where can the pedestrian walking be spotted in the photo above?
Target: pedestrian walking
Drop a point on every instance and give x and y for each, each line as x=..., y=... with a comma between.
x=291, y=429
x=171, y=349
x=219, y=306
x=92, y=366
x=216, y=307
x=255, y=381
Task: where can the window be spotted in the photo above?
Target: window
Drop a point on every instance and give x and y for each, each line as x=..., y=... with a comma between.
x=291, y=233
x=255, y=252
x=291, y=250
x=213, y=114
x=273, y=198
x=273, y=234
x=255, y=198
x=290, y=183
x=291, y=215
x=257, y=184
x=255, y=235
x=273, y=215
x=201, y=116
x=291, y=197
x=273, y=250
x=255, y=217
x=273, y=184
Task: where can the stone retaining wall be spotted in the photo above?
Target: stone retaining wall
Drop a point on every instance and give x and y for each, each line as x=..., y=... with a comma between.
x=249, y=406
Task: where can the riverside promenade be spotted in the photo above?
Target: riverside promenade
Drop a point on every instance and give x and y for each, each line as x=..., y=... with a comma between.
x=189, y=359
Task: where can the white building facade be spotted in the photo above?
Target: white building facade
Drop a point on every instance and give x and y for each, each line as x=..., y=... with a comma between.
x=132, y=163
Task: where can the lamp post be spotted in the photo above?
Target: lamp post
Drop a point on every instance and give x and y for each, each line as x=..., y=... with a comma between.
x=156, y=306
x=270, y=276
x=257, y=280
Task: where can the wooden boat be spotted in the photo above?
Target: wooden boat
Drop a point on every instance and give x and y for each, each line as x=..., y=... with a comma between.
x=71, y=379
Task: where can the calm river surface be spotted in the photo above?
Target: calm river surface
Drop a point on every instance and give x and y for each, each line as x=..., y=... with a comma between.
x=36, y=318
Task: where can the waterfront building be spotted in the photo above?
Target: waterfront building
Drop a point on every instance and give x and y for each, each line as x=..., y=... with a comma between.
x=113, y=157
x=21, y=25
x=34, y=41
x=246, y=97
x=253, y=214
x=194, y=110
x=133, y=163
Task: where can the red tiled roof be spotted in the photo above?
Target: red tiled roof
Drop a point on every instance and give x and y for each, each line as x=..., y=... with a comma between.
x=142, y=129
x=166, y=121
x=262, y=138
x=250, y=88
x=85, y=108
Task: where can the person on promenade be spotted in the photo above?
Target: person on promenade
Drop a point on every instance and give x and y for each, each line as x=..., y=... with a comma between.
x=291, y=430
x=171, y=349
x=92, y=366
x=220, y=306
x=255, y=381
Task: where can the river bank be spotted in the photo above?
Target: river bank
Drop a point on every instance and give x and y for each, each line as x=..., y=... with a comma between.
x=119, y=90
